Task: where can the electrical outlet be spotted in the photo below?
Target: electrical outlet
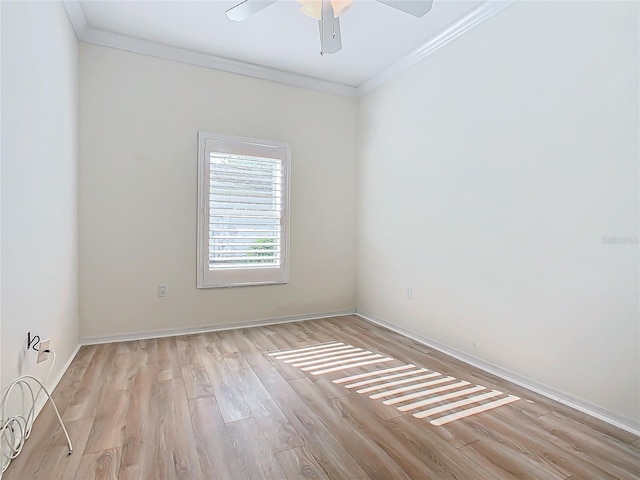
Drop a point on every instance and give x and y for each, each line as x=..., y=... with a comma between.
x=43, y=352
x=409, y=293
x=162, y=290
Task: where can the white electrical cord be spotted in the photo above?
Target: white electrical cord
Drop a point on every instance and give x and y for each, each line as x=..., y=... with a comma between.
x=15, y=430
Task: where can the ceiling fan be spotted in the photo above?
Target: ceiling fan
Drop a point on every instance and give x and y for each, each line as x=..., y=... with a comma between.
x=327, y=12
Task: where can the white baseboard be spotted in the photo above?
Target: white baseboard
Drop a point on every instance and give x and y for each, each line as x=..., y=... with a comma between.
x=41, y=399
x=210, y=328
x=545, y=390
x=503, y=373
x=51, y=387
x=63, y=370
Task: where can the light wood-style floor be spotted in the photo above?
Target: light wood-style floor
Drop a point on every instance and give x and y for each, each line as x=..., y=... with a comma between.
x=218, y=406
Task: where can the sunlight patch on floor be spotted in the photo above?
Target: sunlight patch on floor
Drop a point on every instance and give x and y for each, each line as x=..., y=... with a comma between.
x=399, y=386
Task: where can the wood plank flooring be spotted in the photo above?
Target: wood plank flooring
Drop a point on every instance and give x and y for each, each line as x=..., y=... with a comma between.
x=219, y=406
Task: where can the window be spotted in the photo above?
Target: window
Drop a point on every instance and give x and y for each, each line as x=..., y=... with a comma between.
x=243, y=218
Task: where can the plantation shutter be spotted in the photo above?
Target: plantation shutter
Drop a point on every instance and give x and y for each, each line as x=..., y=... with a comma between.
x=245, y=198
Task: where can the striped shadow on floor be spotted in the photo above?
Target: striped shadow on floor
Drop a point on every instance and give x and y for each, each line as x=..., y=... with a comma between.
x=427, y=394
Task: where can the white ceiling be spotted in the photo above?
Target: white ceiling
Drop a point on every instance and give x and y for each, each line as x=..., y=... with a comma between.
x=280, y=38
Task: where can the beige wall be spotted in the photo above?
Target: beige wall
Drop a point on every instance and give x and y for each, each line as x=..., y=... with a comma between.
x=39, y=185
x=139, y=117
x=489, y=175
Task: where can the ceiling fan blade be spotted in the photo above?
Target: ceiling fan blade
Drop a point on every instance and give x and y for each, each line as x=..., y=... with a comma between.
x=245, y=9
x=330, y=39
x=417, y=8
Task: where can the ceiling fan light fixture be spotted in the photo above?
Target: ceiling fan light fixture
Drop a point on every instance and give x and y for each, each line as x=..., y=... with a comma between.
x=340, y=6
x=313, y=8
x=327, y=13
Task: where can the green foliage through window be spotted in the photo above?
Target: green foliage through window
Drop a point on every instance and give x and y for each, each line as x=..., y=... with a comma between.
x=264, y=248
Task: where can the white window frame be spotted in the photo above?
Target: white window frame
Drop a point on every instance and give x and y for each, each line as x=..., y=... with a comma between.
x=211, y=142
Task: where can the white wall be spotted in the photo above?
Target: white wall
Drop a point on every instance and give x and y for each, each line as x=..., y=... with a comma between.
x=39, y=184
x=489, y=175
x=1, y=383
x=139, y=117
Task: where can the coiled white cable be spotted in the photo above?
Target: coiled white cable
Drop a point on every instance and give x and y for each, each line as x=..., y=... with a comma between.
x=15, y=430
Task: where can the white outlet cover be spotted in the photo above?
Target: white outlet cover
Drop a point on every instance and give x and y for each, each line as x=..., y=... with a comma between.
x=42, y=353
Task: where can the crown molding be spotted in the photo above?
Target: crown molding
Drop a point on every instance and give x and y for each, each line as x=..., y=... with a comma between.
x=135, y=45
x=104, y=38
x=473, y=19
x=76, y=16
x=87, y=34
